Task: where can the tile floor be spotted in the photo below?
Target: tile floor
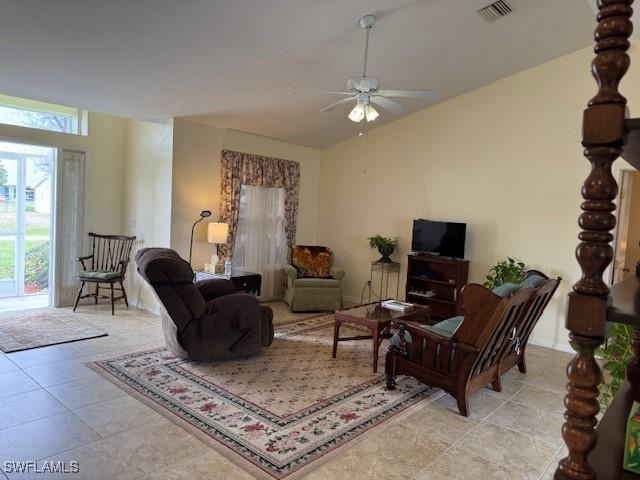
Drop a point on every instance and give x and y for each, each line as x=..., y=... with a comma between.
x=54, y=407
x=8, y=304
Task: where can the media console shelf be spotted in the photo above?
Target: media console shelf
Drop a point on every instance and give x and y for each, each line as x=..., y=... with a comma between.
x=436, y=281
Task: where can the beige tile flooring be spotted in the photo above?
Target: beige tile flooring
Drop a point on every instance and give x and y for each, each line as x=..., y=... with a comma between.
x=52, y=406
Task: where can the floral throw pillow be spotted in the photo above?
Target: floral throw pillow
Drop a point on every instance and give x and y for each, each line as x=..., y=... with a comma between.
x=311, y=261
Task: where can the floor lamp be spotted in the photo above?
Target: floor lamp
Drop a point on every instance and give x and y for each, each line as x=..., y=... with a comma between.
x=203, y=214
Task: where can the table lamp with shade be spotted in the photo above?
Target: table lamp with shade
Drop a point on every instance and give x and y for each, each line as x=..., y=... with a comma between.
x=217, y=233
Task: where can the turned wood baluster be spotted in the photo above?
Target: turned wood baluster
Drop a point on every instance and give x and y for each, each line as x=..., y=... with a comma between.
x=603, y=138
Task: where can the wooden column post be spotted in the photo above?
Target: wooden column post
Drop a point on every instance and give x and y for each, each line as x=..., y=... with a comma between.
x=603, y=139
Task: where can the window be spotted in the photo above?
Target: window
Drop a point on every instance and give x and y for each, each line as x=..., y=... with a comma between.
x=41, y=115
x=261, y=245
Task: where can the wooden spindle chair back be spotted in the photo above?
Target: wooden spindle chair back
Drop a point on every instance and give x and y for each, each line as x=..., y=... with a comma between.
x=110, y=252
x=110, y=256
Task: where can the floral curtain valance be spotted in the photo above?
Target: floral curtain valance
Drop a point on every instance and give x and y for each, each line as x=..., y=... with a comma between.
x=256, y=170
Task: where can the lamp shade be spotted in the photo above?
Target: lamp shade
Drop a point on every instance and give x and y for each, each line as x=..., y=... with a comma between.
x=217, y=232
x=371, y=113
x=358, y=112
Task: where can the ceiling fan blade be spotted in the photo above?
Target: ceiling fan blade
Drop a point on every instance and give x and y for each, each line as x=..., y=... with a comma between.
x=321, y=93
x=387, y=104
x=428, y=94
x=335, y=105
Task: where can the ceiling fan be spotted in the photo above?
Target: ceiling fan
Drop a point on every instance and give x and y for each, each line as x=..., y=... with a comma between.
x=365, y=92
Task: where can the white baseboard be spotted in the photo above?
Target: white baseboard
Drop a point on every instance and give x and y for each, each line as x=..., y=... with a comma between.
x=560, y=346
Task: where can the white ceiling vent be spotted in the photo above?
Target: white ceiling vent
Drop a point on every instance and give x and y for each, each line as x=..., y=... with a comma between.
x=495, y=11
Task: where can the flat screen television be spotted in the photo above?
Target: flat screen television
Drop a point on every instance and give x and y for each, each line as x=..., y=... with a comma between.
x=440, y=238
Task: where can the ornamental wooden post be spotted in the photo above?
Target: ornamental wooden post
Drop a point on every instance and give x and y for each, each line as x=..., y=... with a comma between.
x=603, y=139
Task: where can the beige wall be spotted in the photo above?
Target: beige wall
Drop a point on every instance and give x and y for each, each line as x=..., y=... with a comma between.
x=104, y=170
x=506, y=159
x=147, y=198
x=196, y=180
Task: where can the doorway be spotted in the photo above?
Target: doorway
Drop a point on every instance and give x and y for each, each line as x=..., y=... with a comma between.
x=27, y=174
x=627, y=248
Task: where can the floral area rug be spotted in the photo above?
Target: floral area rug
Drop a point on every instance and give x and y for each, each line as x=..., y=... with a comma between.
x=26, y=329
x=279, y=413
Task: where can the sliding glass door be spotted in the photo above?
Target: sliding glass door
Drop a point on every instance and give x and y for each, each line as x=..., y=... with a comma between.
x=26, y=221
x=10, y=203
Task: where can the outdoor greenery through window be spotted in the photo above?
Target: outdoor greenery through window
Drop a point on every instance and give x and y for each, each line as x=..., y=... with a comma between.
x=44, y=116
x=26, y=209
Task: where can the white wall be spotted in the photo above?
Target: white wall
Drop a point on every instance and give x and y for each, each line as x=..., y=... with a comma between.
x=196, y=181
x=506, y=159
x=147, y=196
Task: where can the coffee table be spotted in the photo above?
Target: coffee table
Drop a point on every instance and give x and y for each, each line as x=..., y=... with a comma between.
x=378, y=320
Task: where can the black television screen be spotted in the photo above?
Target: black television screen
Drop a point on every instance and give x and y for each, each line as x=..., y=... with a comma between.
x=441, y=238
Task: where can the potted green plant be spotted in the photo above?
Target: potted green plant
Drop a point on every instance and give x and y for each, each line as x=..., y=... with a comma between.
x=614, y=356
x=384, y=245
x=504, y=271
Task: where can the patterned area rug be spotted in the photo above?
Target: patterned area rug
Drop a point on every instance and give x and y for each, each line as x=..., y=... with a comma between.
x=28, y=329
x=279, y=413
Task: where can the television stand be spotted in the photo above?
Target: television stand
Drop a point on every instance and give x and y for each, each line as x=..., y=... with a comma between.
x=436, y=281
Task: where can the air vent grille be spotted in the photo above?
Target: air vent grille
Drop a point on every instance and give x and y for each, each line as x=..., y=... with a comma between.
x=495, y=11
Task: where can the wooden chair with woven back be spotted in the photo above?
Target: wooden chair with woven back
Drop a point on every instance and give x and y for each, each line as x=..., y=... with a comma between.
x=462, y=355
x=107, y=265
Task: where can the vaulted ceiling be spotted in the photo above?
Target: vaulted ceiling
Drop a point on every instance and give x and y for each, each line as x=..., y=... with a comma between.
x=233, y=63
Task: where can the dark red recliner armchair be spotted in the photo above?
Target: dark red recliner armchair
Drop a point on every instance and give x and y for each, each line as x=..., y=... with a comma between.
x=206, y=320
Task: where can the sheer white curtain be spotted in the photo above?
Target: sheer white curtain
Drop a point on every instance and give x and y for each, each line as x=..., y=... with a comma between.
x=260, y=240
x=69, y=225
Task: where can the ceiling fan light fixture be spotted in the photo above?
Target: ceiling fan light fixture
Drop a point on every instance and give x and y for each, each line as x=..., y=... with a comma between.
x=365, y=91
x=358, y=113
x=371, y=113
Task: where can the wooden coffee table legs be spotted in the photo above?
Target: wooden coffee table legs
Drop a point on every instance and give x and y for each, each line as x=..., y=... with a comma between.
x=336, y=336
x=379, y=331
x=376, y=347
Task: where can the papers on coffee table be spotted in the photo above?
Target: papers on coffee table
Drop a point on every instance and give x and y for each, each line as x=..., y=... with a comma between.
x=396, y=305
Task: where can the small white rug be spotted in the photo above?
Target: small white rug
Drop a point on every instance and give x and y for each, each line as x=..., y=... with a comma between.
x=26, y=329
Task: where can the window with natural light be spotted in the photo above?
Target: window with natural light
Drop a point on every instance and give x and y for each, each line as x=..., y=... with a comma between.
x=44, y=116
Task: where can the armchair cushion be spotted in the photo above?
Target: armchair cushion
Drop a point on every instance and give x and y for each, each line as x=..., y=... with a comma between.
x=533, y=281
x=446, y=328
x=506, y=289
x=98, y=275
x=316, y=282
x=311, y=261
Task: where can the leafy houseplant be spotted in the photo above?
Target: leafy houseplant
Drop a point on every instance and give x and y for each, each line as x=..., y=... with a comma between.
x=615, y=355
x=508, y=270
x=384, y=245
